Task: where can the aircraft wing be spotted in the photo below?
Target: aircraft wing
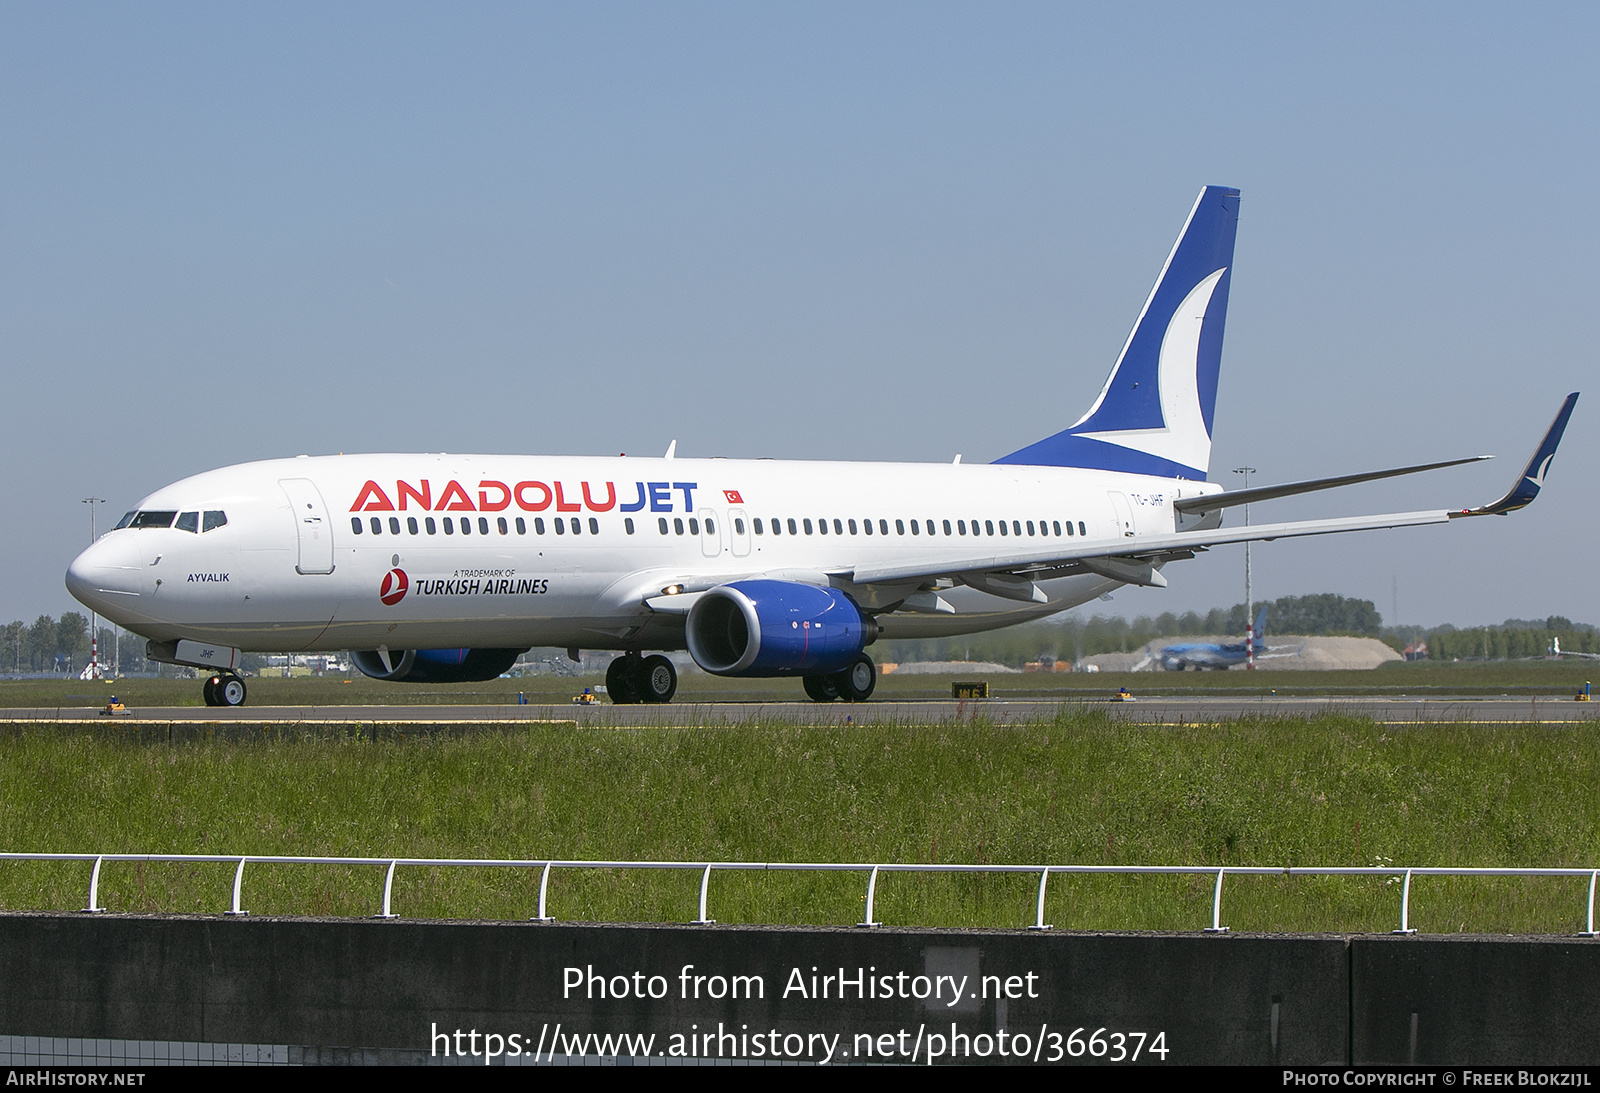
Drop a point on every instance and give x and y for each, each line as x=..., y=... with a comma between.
x=1135, y=560
x=1130, y=561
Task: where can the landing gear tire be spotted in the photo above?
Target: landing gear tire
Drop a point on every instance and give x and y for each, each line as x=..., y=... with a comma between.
x=620, y=678
x=231, y=691
x=225, y=690
x=821, y=688
x=857, y=682
x=657, y=680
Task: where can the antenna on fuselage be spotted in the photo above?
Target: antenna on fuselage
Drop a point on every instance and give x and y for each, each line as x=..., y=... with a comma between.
x=672, y=450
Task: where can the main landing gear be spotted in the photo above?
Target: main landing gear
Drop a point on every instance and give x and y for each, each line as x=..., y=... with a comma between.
x=225, y=689
x=632, y=678
x=855, y=684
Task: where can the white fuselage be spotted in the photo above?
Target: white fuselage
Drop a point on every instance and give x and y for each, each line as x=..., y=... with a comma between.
x=546, y=556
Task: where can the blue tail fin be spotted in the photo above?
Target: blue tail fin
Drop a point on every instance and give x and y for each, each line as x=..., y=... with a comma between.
x=1155, y=412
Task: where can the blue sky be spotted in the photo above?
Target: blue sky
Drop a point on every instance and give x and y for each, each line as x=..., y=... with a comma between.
x=891, y=231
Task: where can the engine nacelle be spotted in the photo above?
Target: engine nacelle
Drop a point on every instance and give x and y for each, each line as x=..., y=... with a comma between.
x=436, y=665
x=776, y=628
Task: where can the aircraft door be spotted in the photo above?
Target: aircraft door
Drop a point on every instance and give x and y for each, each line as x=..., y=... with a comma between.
x=312, y=525
x=1124, y=511
x=710, y=534
x=739, y=532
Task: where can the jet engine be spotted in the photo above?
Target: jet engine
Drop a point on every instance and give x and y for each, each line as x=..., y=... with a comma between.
x=776, y=628
x=435, y=665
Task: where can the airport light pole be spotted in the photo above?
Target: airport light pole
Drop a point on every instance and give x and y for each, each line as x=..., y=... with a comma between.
x=94, y=619
x=1249, y=602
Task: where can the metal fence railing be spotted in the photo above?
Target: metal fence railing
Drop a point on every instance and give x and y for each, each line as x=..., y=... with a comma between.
x=546, y=866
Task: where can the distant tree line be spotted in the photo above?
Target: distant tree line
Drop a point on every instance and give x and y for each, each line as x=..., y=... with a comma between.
x=1070, y=638
x=61, y=645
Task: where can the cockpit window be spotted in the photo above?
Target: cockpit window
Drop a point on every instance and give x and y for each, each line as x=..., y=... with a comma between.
x=188, y=521
x=125, y=521
x=153, y=519
x=214, y=518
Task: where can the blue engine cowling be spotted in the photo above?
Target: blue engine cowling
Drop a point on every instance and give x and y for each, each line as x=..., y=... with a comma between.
x=776, y=628
x=436, y=665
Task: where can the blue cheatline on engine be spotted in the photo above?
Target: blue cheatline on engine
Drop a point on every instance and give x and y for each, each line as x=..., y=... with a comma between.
x=435, y=665
x=776, y=628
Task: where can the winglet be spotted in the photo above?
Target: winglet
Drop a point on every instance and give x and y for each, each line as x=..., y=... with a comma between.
x=1532, y=478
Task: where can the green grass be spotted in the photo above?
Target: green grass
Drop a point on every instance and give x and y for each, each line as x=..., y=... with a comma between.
x=1078, y=789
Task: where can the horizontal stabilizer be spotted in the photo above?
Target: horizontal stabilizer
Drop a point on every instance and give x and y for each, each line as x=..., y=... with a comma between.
x=1269, y=493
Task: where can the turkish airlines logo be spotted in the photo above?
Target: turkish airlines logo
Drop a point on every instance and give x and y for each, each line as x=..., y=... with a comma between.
x=394, y=586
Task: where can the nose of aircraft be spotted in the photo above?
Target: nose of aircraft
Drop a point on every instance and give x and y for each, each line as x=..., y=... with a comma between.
x=106, y=577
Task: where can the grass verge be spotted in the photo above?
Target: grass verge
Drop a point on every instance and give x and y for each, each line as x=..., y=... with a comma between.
x=1077, y=789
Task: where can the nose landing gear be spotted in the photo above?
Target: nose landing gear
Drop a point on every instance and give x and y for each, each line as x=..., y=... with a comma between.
x=224, y=689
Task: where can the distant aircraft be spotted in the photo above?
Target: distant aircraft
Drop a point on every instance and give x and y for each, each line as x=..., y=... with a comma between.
x=1210, y=654
x=1557, y=651
x=445, y=568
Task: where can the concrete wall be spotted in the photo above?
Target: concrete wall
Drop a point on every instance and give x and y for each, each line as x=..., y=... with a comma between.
x=389, y=985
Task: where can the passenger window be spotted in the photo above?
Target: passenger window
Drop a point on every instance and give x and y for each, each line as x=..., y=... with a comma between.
x=538, y=525
x=792, y=529
x=988, y=527
x=432, y=528
x=694, y=526
x=188, y=521
x=483, y=525
x=522, y=526
x=394, y=525
x=900, y=527
x=711, y=527
x=757, y=524
x=1030, y=527
x=377, y=526
x=822, y=526
x=866, y=526
x=1056, y=526
x=594, y=526
x=738, y=526
x=961, y=526
x=883, y=526
x=838, y=527
x=852, y=527
x=914, y=529
x=154, y=519
x=1081, y=529
x=1069, y=527
x=213, y=519
x=560, y=525
x=577, y=527
x=411, y=524
x=808, y=525
x=677, y=525
x=355, y=524
x=449, y=526
x=1002, y=527
x=466, y=525
x=663, y=522
x=777, y=526
x=930, y=527
x=1016, y=527
x=505, y=529
x=947, y=530
x=627, y=523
